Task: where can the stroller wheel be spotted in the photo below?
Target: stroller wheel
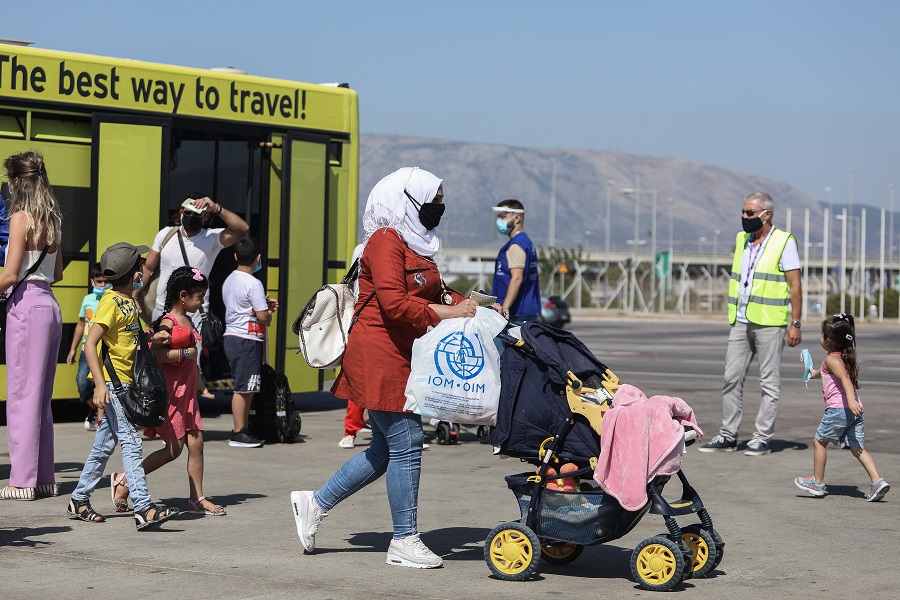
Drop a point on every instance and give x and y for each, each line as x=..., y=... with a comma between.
x=657, y=564
x=510, y=552
x=560, y=553
x=703, y=549
x=720, y=548
x=442, y=433
x=484, y=434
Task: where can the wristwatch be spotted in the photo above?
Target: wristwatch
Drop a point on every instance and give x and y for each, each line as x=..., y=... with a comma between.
x=796, y=324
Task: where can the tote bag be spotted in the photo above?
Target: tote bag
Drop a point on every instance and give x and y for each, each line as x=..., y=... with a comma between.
x=455, y=373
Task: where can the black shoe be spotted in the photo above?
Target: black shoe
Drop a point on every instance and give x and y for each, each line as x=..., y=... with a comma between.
x=719, y=444
x=152, y=516
x=757, y=447
x=243, y=439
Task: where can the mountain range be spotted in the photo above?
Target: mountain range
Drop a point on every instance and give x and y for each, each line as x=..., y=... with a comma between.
x=699, y=199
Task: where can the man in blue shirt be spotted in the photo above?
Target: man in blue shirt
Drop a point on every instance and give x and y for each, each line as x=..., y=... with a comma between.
x=516, y=271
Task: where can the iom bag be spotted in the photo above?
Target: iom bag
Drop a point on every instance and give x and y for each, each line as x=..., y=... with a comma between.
x=456, y=370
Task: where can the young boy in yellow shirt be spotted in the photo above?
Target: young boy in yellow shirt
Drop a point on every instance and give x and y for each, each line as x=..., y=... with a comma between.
x=117, y=323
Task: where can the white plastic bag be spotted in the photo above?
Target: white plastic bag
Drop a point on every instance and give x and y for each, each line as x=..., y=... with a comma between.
x=456, y=370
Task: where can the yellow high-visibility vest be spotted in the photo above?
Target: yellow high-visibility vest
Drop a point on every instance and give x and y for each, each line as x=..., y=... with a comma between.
x=769, y=303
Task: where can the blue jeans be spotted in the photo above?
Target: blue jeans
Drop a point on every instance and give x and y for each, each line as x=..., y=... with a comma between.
x=85, y=385
x=395, y=449
x=115, y=428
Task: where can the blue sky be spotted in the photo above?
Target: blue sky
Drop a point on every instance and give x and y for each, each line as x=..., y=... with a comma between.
x=797, y=91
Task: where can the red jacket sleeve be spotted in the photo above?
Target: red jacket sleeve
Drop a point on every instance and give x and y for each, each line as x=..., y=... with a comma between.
x=386, y=258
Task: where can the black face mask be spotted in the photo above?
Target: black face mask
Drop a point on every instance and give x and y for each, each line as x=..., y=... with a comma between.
x=752, y=225
x=191, y=223
x=429, y=214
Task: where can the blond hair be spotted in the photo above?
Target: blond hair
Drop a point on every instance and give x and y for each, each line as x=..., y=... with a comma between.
x=34, y=197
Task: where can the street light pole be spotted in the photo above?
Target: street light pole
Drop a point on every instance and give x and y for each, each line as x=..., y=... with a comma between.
x=609, y=184
x=553, y=208
x=636, y=192
x=653, y=252
x=828, y=191
x=669, y=265
x=891, y=226
x=637, y=236
x=715, y=264
x=825, y=244
x=843, y=282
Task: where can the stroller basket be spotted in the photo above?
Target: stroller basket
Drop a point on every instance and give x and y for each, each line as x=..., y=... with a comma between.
x=583, y=517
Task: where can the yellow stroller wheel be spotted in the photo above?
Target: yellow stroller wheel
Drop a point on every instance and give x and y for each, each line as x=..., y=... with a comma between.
x=657, y=564
x=560, y=553
x=703, y=549
x=512, y=552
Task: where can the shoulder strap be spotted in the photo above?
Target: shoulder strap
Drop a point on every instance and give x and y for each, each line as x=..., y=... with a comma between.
x=31, y=269
x=169, y=236
x=352, y=274
x=110, y=370
x=356, y=314
x=187, y=263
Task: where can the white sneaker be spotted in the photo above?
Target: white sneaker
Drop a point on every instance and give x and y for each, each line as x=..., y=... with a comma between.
x=426, y=446
x=90, y=421
x=307, y=517
x=347, y=442
x=411, y=552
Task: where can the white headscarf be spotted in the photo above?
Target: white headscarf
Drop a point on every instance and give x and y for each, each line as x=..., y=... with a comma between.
x=388, y=206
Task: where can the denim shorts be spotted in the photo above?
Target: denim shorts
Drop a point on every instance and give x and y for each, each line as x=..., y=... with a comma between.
x=245, y=358
x=840, y=426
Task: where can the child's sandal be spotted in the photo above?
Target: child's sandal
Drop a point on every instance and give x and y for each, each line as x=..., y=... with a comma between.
x=197, y=508
x=143, y=520
x=83, y=511
x=117, y=480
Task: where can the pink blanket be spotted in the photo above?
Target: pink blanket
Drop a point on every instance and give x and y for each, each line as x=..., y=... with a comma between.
x=642, y=438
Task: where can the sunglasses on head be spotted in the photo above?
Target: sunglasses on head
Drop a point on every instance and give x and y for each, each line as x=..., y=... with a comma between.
x=752, y=212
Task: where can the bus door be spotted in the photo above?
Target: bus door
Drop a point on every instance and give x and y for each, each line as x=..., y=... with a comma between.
x=298, y=260
x=129, y=175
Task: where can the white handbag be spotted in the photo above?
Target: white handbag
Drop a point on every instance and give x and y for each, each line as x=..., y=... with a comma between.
x=324, y=323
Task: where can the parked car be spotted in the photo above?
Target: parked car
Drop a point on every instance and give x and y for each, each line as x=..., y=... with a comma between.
x=554, y=311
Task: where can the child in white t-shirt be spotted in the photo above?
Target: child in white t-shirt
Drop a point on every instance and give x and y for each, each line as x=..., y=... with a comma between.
x=248, y=311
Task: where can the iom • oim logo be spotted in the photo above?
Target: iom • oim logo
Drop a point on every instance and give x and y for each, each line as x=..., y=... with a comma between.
x=460, y=355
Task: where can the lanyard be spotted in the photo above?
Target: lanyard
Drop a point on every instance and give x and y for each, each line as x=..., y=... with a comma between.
x=755, y=254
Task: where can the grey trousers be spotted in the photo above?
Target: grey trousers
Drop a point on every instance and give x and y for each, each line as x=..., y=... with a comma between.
x=744, y=342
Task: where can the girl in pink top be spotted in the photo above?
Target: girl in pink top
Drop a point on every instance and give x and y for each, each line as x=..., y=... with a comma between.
x=178, y=361
x=843, y=420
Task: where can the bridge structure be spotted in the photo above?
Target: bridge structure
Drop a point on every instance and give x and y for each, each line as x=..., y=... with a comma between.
x=625, y=280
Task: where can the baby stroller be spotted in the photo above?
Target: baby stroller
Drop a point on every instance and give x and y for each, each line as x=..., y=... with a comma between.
x=447, y=433
x=553, y=396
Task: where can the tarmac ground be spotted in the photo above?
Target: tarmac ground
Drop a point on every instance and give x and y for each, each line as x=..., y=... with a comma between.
x=780, y=542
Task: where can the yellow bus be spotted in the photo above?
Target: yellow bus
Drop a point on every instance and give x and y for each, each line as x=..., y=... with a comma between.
x=126, y=141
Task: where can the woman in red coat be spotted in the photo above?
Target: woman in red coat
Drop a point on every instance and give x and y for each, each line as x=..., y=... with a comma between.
x=401, y=294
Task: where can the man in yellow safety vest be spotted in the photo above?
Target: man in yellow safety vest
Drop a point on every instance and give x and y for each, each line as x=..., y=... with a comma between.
x=764, y=301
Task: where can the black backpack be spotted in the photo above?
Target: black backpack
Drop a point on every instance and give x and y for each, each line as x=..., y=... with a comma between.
x=147, y=402
x=273, y=416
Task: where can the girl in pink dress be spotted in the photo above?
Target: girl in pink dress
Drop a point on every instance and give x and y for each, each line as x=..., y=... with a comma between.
x=184, y=294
